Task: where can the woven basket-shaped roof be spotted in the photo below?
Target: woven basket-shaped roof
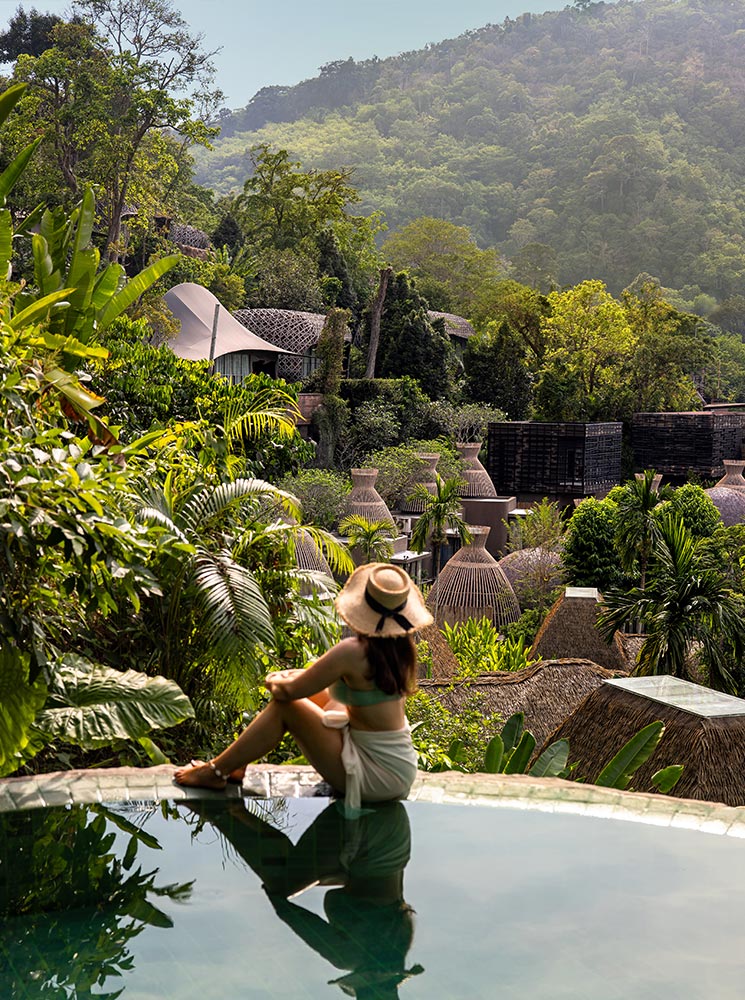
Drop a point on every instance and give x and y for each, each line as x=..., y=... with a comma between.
x=531, y=570
x=477, y=479
x=712, y=750
x=730, y=504
x=292, y=329
x=570, y=630
x=444, y=662
x=547, y=692
x=309, y=556
x=471, y=585
x=428, y=478
x=456, y=326
x=733, y=478
x=364, y=499
x=188, y=236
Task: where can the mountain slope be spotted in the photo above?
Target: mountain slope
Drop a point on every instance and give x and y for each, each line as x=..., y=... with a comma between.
x=614, y=135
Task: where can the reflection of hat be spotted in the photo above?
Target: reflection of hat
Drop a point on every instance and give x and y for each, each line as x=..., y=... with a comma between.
x=381, y=600
x=375, y=984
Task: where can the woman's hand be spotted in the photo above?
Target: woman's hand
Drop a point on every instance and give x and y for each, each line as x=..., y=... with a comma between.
x=278, y=683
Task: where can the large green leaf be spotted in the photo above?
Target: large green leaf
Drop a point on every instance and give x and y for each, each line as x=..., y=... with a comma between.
x=38, y=310
x=517, y=762
x=92, y=705
x=19, y=704
x=552, y=761
x=6, y=243
x=134, y=288
x=9, y=98
x=618, y=772
x=493, y=755
x=236, y=614
x=13, y=171
x=512, y=730
x=666, y=779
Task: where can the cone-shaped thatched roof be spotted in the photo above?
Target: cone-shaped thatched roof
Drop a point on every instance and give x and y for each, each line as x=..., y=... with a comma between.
x=444, y=662
x=569, y=630
x=309, y=556
x=547, y=693
x=471, y=585
x=711, y=748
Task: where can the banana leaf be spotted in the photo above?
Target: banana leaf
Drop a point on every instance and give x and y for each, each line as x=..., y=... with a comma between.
x=518, y=759
x=666, y=779
x=13, y=171
x=552, y=761
x=493, y=756
x=618, y=772
x=512, y=731
x=39, y=309
x=6, y=243
x=9, y=98
x=134, y=288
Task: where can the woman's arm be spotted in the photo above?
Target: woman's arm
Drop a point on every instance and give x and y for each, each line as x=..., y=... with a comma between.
x=289, y=685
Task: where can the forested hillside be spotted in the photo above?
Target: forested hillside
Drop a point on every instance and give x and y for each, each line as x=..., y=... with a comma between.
x=601, y=142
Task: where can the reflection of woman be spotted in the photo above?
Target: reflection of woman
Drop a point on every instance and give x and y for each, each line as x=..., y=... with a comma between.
x=346, y=710
x=368, y=927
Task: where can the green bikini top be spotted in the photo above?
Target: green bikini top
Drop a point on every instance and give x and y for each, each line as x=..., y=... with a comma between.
x=341, y=691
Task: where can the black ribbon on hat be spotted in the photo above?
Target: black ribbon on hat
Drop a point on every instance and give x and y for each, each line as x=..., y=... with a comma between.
x=384, y=612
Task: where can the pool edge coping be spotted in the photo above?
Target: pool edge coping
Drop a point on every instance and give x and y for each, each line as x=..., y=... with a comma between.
x=554, y=795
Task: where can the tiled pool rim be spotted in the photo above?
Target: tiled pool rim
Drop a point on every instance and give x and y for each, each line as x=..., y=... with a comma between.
x=155, y=784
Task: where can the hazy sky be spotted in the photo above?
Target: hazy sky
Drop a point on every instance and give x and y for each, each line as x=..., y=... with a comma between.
x=266, y=43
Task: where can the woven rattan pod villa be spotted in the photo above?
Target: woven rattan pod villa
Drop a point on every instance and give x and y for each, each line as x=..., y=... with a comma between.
x=471, y=585
x=364, y=500
x=292, y=330
x=733, y=478
x=547, y=692
x=532, y=572
x=570, y=630
x=704, y=731
x=730, y=504
x=427, y=477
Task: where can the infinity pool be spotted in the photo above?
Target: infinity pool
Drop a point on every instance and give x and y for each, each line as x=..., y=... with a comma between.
x=284, y=898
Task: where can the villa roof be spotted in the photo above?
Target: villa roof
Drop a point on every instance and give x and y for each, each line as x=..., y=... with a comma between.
x=729, y=502
x=444, y=663
x=292, y=329
x=194, y=307
x=546, y=693
x=711, y=747
x=456, y=326
x=570, y=630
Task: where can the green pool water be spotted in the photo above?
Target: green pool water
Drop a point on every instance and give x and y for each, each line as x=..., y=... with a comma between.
x=279, y=899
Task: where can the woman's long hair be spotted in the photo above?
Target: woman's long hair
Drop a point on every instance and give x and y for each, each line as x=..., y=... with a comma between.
x=393, y=661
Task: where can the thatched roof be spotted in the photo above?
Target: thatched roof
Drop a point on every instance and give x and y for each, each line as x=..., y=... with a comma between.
x=529, y=570
x=309, y=556
x=471, y=585
x=569, y=630
x=444, y=664
x=456, y=326
x=730, y=504
x=711, y=747
x=547, y=693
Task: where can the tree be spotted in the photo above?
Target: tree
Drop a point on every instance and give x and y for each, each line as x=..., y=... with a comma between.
x=685, y=603
x=27, y=34
x=589, y=343
x=109, y=97
x=374, y=539
x=441, y=511
x=636, y=504
x=496, y=370
x=589, y=551
x=449, y=266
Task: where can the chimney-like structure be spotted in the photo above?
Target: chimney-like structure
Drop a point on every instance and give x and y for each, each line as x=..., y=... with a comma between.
x=428, y=477
x=364, y=499
x=478, y=482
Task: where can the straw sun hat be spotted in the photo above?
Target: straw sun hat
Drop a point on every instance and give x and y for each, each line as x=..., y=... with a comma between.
x=380, y=599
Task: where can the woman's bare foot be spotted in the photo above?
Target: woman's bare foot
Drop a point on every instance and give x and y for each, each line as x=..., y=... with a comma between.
x=199, y=775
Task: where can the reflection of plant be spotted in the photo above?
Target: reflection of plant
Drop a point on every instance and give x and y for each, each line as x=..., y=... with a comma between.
x=78, y=903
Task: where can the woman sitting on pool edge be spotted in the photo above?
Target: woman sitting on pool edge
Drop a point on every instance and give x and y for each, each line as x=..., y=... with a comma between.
x=346, y=711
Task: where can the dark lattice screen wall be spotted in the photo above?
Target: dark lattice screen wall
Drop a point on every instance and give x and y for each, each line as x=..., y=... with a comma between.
x=677, y=444
x=570, y=459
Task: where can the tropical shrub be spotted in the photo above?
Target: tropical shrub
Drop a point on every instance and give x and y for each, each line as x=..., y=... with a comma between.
x=322, y=494
x=479, y=648
x=446, y=740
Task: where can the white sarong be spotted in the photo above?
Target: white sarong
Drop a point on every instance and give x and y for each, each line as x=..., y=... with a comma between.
x=379, y=765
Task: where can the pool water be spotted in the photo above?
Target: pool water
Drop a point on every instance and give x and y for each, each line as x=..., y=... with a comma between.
x=254, y=899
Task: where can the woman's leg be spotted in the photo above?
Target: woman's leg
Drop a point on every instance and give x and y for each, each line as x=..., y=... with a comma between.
x=321, y=745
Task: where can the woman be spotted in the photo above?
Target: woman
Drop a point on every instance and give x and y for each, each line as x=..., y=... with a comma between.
x=346, y=711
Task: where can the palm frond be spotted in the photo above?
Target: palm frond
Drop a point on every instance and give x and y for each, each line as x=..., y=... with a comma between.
x=271, y=410
x=152, y=515
x=210, y=502
x=235, y=615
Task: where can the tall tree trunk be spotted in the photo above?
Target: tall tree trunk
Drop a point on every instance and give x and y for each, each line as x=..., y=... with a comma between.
x=375, y=314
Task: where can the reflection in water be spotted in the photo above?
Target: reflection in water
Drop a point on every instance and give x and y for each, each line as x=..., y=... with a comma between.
x=368, y=927
x=71, y=903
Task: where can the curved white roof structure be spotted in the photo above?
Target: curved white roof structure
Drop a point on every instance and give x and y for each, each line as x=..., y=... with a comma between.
x=194, y=308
